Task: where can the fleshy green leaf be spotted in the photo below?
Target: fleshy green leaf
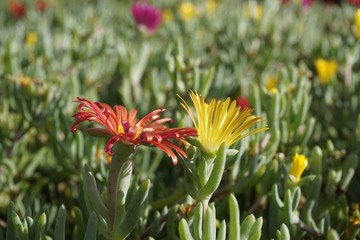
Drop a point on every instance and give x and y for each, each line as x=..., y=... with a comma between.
x=91, y=227
x=133, y=212
x=255, y=231
x=275, y=196
x=246, y=226
x=234, y=218
x=93, y=193
x=283, y=233
x=198, y=221
x=222, y=231
x=40, y=227
x=184, y=230
x=60, y=224
x=210, y=223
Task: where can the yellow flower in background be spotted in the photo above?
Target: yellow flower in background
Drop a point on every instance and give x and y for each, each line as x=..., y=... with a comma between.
x=167, y=15
x=220, y=122
x=254, y=11
x=325, y=69
x=354, y=219
x=299, y=164
x=211, y=5
x=271, y=84
x=24, y=82
x=259, y=9
x=187, y=11
x=100, y=154
x=31, y=39
x=357, y=23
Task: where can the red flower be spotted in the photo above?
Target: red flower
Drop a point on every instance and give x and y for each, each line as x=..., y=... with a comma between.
x=17, y=9
x=41, y=5
x=242, y=102
x=146, y=15
x=121, y=125
x=354, y=2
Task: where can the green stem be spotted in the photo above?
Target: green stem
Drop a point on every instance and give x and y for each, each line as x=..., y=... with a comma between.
x=121, y=153
x=170, y=200
x=115, y=167
x=205, y=204
x=215, y=176
x=310, y=230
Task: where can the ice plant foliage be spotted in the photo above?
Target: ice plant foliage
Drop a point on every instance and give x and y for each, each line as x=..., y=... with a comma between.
x=221, y=121
x=299, y=164
x=325, y=69
x=146, y=16
x=121, y=125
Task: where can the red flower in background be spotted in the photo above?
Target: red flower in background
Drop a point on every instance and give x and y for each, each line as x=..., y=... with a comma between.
x=123, y=126
x=354, y=2
x=284, y=1
x=242, y=102
x=41, y=6
x=146, y=15
x=17, y=9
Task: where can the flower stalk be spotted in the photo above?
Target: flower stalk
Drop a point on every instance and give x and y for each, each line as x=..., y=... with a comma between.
x=214, y=175
x=121, y=153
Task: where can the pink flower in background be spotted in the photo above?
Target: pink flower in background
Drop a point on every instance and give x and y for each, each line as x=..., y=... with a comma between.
x=146, y=16
x=307, y=3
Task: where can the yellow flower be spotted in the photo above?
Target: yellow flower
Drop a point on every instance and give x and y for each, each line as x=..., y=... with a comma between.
x=259, y=9
x=325, y=69
x=167, y=15
x=271, y=84
x=357, y=23
x=31, y=39
x=355, y=217
x=299, y=163
x=254, y=12
x=187, y=11
x=102, y=155
x=24, y=82
x=220, y=122
x=211, y=5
